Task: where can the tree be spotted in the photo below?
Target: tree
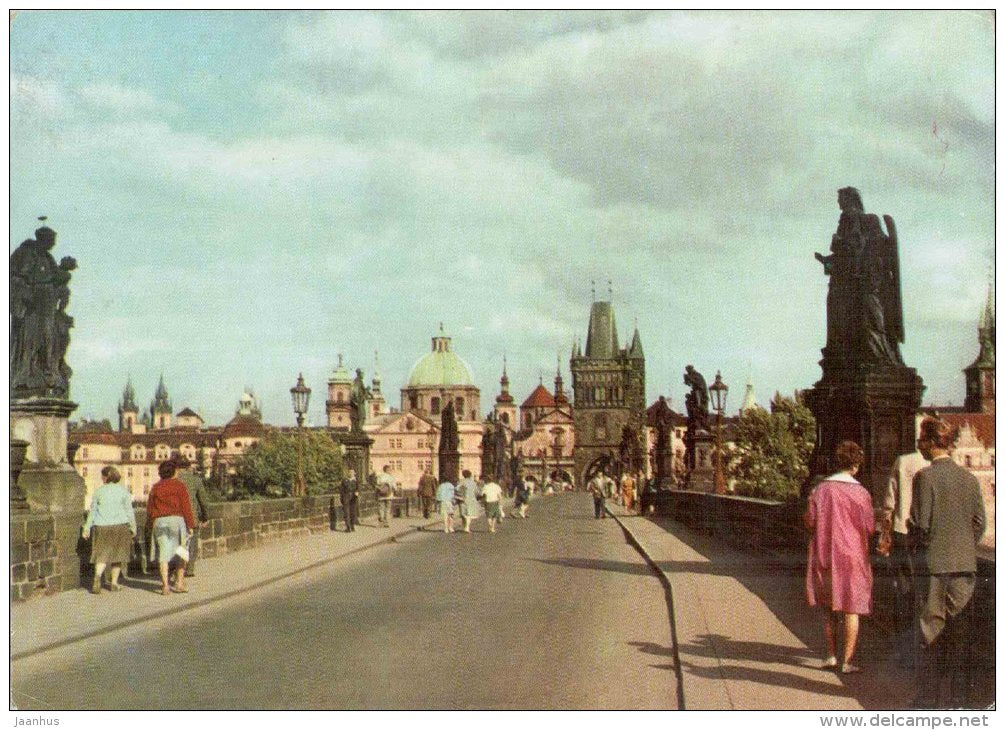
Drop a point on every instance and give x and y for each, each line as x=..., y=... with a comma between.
x=269, y=467
x=771, y=453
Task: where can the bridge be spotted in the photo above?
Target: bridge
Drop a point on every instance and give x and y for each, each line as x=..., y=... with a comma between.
x=557, y=611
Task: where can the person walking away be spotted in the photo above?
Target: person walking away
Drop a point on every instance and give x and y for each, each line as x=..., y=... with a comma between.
x=199, y=498
x=427, y=492
x=492, y=496
x=838, y=573
x=628, y=491
x=596, y=488
x=947, y=521
x=111, y=525
x=610, y=488
x=893, y=542
x=385, y=493
x=468, y=493
x=522, y=501
x=170, y=523
x=349, y=496
x=445, y=495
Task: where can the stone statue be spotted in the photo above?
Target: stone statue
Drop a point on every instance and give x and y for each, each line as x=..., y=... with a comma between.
x=39, y=324
x=448, y=429
x=359, y=395
x=696, y=401
x=661, y=451
x=865, y=321
x=500, y=449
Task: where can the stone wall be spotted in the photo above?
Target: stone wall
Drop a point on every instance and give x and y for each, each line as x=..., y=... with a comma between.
x=46, y=553
x=48, y=556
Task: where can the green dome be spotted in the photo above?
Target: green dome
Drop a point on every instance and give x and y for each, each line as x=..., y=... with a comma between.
x=440, y=367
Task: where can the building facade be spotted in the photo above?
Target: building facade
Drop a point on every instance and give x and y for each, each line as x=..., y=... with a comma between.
x=609, y=387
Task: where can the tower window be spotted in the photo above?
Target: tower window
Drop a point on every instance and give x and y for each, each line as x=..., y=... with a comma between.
x=435, y=405
x=504, y=417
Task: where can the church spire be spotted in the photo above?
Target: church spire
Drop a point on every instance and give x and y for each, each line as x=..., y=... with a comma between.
x=504, y=396
x=560, y=398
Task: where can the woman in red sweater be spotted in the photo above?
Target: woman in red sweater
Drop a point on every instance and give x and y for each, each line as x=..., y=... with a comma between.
x=170, y=522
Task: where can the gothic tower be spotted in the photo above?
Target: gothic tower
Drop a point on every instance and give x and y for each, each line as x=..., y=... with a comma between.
x=160, y=408
x=609, y=390
x=128, y=410
x=377, y=405
x=980, y=376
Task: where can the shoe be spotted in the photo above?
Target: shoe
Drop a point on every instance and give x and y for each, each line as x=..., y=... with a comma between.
x=850, y=669
x=179, y=590
x=830, y=662
x=165, y=591
x=96, y=589
x=114, y=587
x=190, y=575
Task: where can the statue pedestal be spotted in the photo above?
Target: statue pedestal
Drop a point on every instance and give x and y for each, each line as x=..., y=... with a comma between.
x=47, y=481
x=702, y=476
x=873, y=406
x=357, y=453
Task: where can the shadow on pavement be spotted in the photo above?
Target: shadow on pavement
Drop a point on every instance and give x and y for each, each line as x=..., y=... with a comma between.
x=613, y=566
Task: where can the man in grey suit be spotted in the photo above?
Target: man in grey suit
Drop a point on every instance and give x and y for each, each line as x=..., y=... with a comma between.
x=947, y=521
x=197, y=495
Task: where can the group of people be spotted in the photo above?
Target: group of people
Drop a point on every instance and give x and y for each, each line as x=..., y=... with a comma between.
x=468, y=496
x=173, y=506
x=931, y=521
x=602, y=487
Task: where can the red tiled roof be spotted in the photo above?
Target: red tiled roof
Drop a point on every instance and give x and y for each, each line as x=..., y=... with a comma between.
x=539, y=398
x=982, y=424
x=241, y=425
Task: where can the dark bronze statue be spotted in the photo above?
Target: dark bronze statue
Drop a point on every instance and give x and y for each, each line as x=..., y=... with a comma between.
x=359, y=395
x=500, y=446
x=865, y=320
x=696, y=400
x=662, y=452
x=39, y=324
x=449, y=445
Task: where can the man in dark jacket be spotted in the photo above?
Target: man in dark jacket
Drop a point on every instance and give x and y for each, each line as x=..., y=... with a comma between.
x=349, y=494
x=427, y=492
x=199, y=498
x=947, y=521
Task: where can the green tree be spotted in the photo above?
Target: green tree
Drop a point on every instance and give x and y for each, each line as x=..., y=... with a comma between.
x=772, y=450
x=269, y=467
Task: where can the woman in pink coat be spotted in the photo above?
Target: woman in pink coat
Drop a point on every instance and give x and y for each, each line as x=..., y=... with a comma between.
x=838, y=573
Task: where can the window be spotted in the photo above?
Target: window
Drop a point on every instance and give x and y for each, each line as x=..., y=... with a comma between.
x=338, y=397
x=504, y=417
x=435, y=405
x=408, y=424
x=84, y=472
x=237, y=444
x=413, y=402
x=83, y=453
x=459, y=407
x=969, y=461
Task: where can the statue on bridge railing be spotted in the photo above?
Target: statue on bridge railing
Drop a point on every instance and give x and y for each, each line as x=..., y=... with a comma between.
x=359, y=395
x=39, y=324
x=697, y=400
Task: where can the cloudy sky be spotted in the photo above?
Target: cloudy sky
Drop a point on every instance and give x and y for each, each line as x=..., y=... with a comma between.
x=249, y=194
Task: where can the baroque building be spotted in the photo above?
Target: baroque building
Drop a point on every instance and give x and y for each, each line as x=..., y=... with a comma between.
x=609, y=390
x=408, y=440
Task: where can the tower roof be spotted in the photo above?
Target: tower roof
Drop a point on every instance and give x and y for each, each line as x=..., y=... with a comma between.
x=635, y=349
x=128, y=404
x=539, y=398
x=161, y=402
x=340, y=374
x=602, y=336
x=748, y=397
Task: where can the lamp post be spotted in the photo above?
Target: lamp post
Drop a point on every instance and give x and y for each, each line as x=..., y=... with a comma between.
x=301, y=398
x=718, y=391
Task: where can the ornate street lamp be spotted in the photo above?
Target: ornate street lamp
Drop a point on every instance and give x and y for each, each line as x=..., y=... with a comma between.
x=301, y=399
x=718, y=391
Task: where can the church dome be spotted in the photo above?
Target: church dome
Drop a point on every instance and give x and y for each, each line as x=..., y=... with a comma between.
x=440, y=367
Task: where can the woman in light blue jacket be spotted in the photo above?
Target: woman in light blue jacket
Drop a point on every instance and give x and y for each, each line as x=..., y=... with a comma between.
x=114, y=526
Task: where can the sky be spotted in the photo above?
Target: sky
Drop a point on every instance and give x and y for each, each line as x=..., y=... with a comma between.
x=249, y=194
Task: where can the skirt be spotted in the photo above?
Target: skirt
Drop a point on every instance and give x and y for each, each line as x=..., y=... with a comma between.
x=111, y=543
x=446, y=508
x=170, y=533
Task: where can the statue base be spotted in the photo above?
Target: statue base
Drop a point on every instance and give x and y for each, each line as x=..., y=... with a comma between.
x=702, y=477
x=357, y=453
x=47, y=482
x=873, y=406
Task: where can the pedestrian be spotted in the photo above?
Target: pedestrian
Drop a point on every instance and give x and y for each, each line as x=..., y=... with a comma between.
x=522, y=501
x=349, y=496
x=492, y=496
x=385, y=493
x=610, y=488
x=628, y=491
x=468, y=494
x=427, y=492
x=199, y=498
x=596, y=488
x=111, y=525
x=947, y=521
x=445, y=495
x=170, y=523
x=838, y=573
x=894, y=543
